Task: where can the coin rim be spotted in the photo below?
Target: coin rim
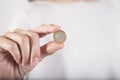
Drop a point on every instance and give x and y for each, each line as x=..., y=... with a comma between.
x=55, y=38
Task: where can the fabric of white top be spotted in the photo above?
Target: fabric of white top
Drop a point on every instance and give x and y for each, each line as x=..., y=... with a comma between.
x=92, y=48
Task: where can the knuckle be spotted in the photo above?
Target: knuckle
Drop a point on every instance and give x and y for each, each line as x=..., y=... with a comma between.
x=33, y=34
x=12, y=46
x=2, y=37
x=16, y=30
x=42, y=25
x=51, y=25
x=5, y=34
x=24, y=39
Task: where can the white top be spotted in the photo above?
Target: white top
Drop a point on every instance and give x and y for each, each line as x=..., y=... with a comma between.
x=92, y=48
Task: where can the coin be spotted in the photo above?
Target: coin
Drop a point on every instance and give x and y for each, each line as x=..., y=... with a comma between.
x=59, y=36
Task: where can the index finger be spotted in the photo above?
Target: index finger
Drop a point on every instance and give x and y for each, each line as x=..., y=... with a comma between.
x=46, y=29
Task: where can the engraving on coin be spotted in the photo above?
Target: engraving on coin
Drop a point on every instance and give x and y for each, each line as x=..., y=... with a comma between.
x=59, y=36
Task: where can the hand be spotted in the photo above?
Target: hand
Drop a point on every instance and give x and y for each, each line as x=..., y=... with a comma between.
x=20, y=50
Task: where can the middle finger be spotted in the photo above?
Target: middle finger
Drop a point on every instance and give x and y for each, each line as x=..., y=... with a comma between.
x=35, y=45
x=23, y=43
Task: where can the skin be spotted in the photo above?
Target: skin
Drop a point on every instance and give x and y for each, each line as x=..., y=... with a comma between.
x=20, y=50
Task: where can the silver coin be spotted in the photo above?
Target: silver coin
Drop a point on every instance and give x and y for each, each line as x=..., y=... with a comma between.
x=59, y=36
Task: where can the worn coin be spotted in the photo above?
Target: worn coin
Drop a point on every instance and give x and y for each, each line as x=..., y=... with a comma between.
x=59, y=36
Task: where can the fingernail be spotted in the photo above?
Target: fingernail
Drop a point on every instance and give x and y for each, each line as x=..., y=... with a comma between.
x=36, y=61
x=58, y=27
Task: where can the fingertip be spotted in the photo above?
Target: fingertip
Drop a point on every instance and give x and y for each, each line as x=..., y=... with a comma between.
x=61, y=46
x=53, y=29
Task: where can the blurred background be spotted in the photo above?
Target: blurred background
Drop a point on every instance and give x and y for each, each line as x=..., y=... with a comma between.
x=10, y=8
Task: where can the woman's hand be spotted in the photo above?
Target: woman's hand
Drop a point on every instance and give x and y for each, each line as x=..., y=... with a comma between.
x=20, y=50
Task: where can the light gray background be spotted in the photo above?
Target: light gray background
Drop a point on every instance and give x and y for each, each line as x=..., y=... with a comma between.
x=10, y=8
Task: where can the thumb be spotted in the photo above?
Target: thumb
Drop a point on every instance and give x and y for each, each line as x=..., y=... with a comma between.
x=50, y=48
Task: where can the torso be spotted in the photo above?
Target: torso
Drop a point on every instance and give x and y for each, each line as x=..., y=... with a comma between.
x=91, y=46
